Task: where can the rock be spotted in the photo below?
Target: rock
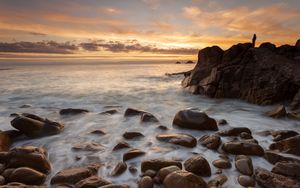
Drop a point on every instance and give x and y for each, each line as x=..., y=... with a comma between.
x=178, y=139
x=210, y=55
x=222, y=163
x=246, y=181
x=178, y=62
x=198, y=165
x=7, y=172
x=74, y=175
x=2, y=180
x=243, y=148
x=119, y=169
x=116, y=186
x=13, y=134
x=181, y=178
x=298, y=44
x=189, y=62
x=278, y=112
x=25, y=106
x=157, y=164
x=132, y=135
x=2, y=168
x=29, y=156
x=146, y=182
x=5, y=141
x=236, y=53
x=234, y=131
x=98, y=132
x=211, y=142
x=132, y=169
x=294, y=116
x=109, y=112
x=245, y=135
x=222, y=122
x=121, y=145
x=36, y=128
x=193, y=119
x=268, y=45
x=92, y=182
x=274, y=157
x=133, y=112
x=166, y=171
x=268, y=179
x=27, y=176
x=163, y=128
x=147, y=117
x=287, y=169
x=289, y=145
x=217, y=181
x=150, y=173
x=88, y=147
x=72, y=111
x=244, y=165
x=132, y=153
x=283, y=134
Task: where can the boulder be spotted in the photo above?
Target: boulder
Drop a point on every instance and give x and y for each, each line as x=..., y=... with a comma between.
x=150, y=173
x=27, y=176
x=74, y=175
x=266, y=178
x=277, y=112
x=234, y=131
x=289, y=145
x=121, y=145
x=211, y=142
x=109, y=112
x=157, y=164
x=217, y=181
x=132, y=135
x=181, y=178
x=244, y=165
x=287, y=169
x=133, y=112
x=6, y=173
x=198, y=165
x=119, y=169
x=283, y=134
x=147, y=117
x=222, y=163
x=274, y=157
x=92, y=182
x=222, y=122
x=36, y=128
x=146, y=182
x=178, y=139
x=245, y=135
x=72, y=111
x=246, y=181
x=164, y=172
x=132, y=153
x=210, y=55
x=268, y=45
x=236, y=53
x=243, y=148
x=193, y=119
x=5, y=141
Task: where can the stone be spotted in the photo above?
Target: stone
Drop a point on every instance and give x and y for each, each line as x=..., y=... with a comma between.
x=266, y=178
x=210, y=55
x=277, y=112
x=243, y=148
x=92, y=182
x=146, y=182
x=245, y=135
x=244, y=165
x=211, y=142
x=178, y=139
x=198, y=165
x=217, y=181
x=163, y=128
x=193, y=119
x=147, y=117
x=98, y=132
x=132, y=153
x=290, y=145
x=121, y=145
x=133, y=112
x=150, y=173
x=283, y=134
x=166, y=171
x=274, y=157
x=234, y=131
x=25, y=106
x=5, y=141
x=222, y=163
x=2, y=180
x=7, y=172
x=132, y=135
x=246, y=181
x=72, y=111
x=109, y=112
x=157, y=164
x=222, y=122
x=287, y=169
x=88, y=147
x=268, y=45
x=181, y=178
x=119, y=169
x=74, y=175
x=115, y=186
x=2, y=168
x=132, y=169
x=27, y=176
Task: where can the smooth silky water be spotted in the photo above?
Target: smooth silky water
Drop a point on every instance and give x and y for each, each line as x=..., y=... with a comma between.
x=49, y=88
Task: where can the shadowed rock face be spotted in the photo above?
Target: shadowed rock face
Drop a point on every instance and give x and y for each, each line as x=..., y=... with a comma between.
x=261, y=75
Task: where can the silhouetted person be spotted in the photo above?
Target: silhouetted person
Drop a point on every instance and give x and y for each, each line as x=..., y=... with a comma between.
x=253, y=40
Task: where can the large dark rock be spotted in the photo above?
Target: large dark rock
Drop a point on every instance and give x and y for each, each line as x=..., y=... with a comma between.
x=178, y=139
x=287, y=169
x=92, y=182
x=289, y=145
x=157, y=164
x=72, y=111
x=181, y=178
x=211, y=142
x=193, y=119
x=133, y=153
x=243, y=148
x=234, y=131
x=257, y=75
x=198, y=165
x=274, y=157
x=277, y=112
x=119, y=169
x=27, y=176
x=244, y=165
x=268, y=45
x=283, y=134
x=210, y=55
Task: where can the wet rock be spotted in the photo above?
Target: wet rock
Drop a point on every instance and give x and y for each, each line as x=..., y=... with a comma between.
x=115, y=186
x=21, y=185
x=234, y=131
x=32, y=127
x=92, y=182
x=157, y=164
x=166, y=171
x=13, y=134
x=74, y=175
x=132, y=135
x=289, y=145
x=245, y=135
x=268, y=179
x=121, y=145
x=2, y=180
x=147, y=117
x=222, y=122
x=243, y=148
x=2, y=168
x=132, y=169
x=222, y=163
x=29, y=156
x=72, y=111
x=98, y=132
x=150, y=173
x=193, y=119
x=133, y=153
x=7, y=172
x=287, y=169
x=5, y=141
x=88, y=147
x=274, y=157
x=163, y=128
x=217, y=181
x=146, y=182
x=27, y=176
x=198, y=165
x=133, y=112
x=278, y=112
x=295, y=116
x=109, y=112
x=178, y=139
x=244, y=165
x=283, y=134
x=119, y=169
x=25, y=106
x=246, y=181
x=181, y=178
x=211, y=142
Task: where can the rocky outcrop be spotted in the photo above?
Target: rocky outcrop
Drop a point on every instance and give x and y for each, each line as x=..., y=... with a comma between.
x=261, y=75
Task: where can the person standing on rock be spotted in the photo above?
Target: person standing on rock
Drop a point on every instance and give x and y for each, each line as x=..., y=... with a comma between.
x=253, y=40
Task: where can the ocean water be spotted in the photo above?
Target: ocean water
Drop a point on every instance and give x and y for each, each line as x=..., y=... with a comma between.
x=49, y=88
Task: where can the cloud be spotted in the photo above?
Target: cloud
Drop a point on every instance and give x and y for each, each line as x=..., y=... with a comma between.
x=37, y=34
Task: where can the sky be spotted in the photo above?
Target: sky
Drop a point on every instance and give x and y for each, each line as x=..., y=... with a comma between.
x=115, y=30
